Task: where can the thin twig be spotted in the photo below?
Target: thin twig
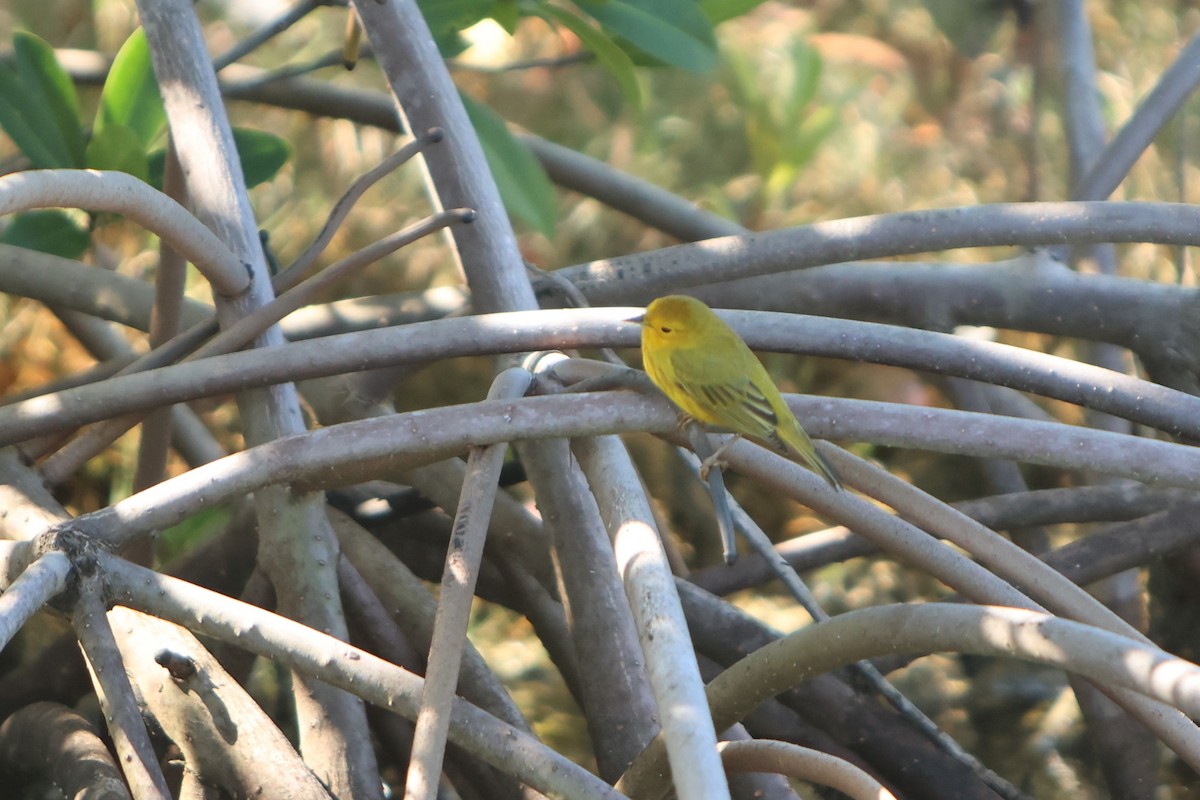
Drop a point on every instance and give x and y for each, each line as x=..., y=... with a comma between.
x=125, y=725
x=295, y=271
x=24, y=597
x=291, y=72
x=1139, y=131
x=304, y=292
x=169, y=285
x=454, y=604
x=267, y=32
x=292, y=294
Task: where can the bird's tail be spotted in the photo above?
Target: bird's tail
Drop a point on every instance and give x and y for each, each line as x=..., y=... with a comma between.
x=799, y=447
x=817, y=463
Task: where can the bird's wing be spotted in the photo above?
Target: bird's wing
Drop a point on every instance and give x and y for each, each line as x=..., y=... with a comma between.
x=732, y=399
x=727, y=397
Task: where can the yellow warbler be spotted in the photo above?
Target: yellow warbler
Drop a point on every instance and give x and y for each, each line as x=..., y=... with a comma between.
x=709, y=372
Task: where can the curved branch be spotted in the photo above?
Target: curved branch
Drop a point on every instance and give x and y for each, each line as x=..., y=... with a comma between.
x=120, y=193
x=346, y=667
x=867, y=673
x=67, y=283
x=935, y=627
x=884, y=235
x=341, y=453
x=969, y=578
x=1128, y=544
x=91, y=443
x=1029, y=293
x=803, y=763
x=1060, y=378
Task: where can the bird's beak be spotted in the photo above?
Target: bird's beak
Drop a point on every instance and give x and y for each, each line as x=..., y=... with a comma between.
x=639, y=319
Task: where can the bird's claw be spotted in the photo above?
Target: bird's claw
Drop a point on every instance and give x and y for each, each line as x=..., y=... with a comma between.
x=712, y=462
x=682, y=423
x=716, y=460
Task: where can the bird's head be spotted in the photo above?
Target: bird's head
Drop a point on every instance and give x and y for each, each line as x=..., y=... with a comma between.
x=675, y=316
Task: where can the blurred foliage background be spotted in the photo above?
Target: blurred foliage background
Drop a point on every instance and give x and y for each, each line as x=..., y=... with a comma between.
x=815, y=110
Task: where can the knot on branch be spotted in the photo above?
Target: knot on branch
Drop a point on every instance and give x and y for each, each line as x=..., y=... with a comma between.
x=79, y=548
x=180, y=666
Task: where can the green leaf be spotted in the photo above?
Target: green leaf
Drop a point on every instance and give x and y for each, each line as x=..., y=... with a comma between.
x=52, y=231
x=38, y=106
x=22, y=130
x=968, y=24
x=442, y=15
x=39, y=68
x=675, y=32
x=616, y=60
x=262, y=155
x=507, y=14
x=815, y=128
x=446, y=18
x=116, y=147
x=130, y=97
x=807, y=65
x=785, y=123
x=524, y=186
x=719, y=11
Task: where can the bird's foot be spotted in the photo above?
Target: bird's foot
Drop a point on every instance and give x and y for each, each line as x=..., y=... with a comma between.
x=683, y=423
x=715, y=460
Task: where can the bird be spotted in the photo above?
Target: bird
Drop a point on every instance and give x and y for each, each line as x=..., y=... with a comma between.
x=705, y=368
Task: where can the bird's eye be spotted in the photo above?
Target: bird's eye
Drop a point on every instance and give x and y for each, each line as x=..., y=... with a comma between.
x=665, y=329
